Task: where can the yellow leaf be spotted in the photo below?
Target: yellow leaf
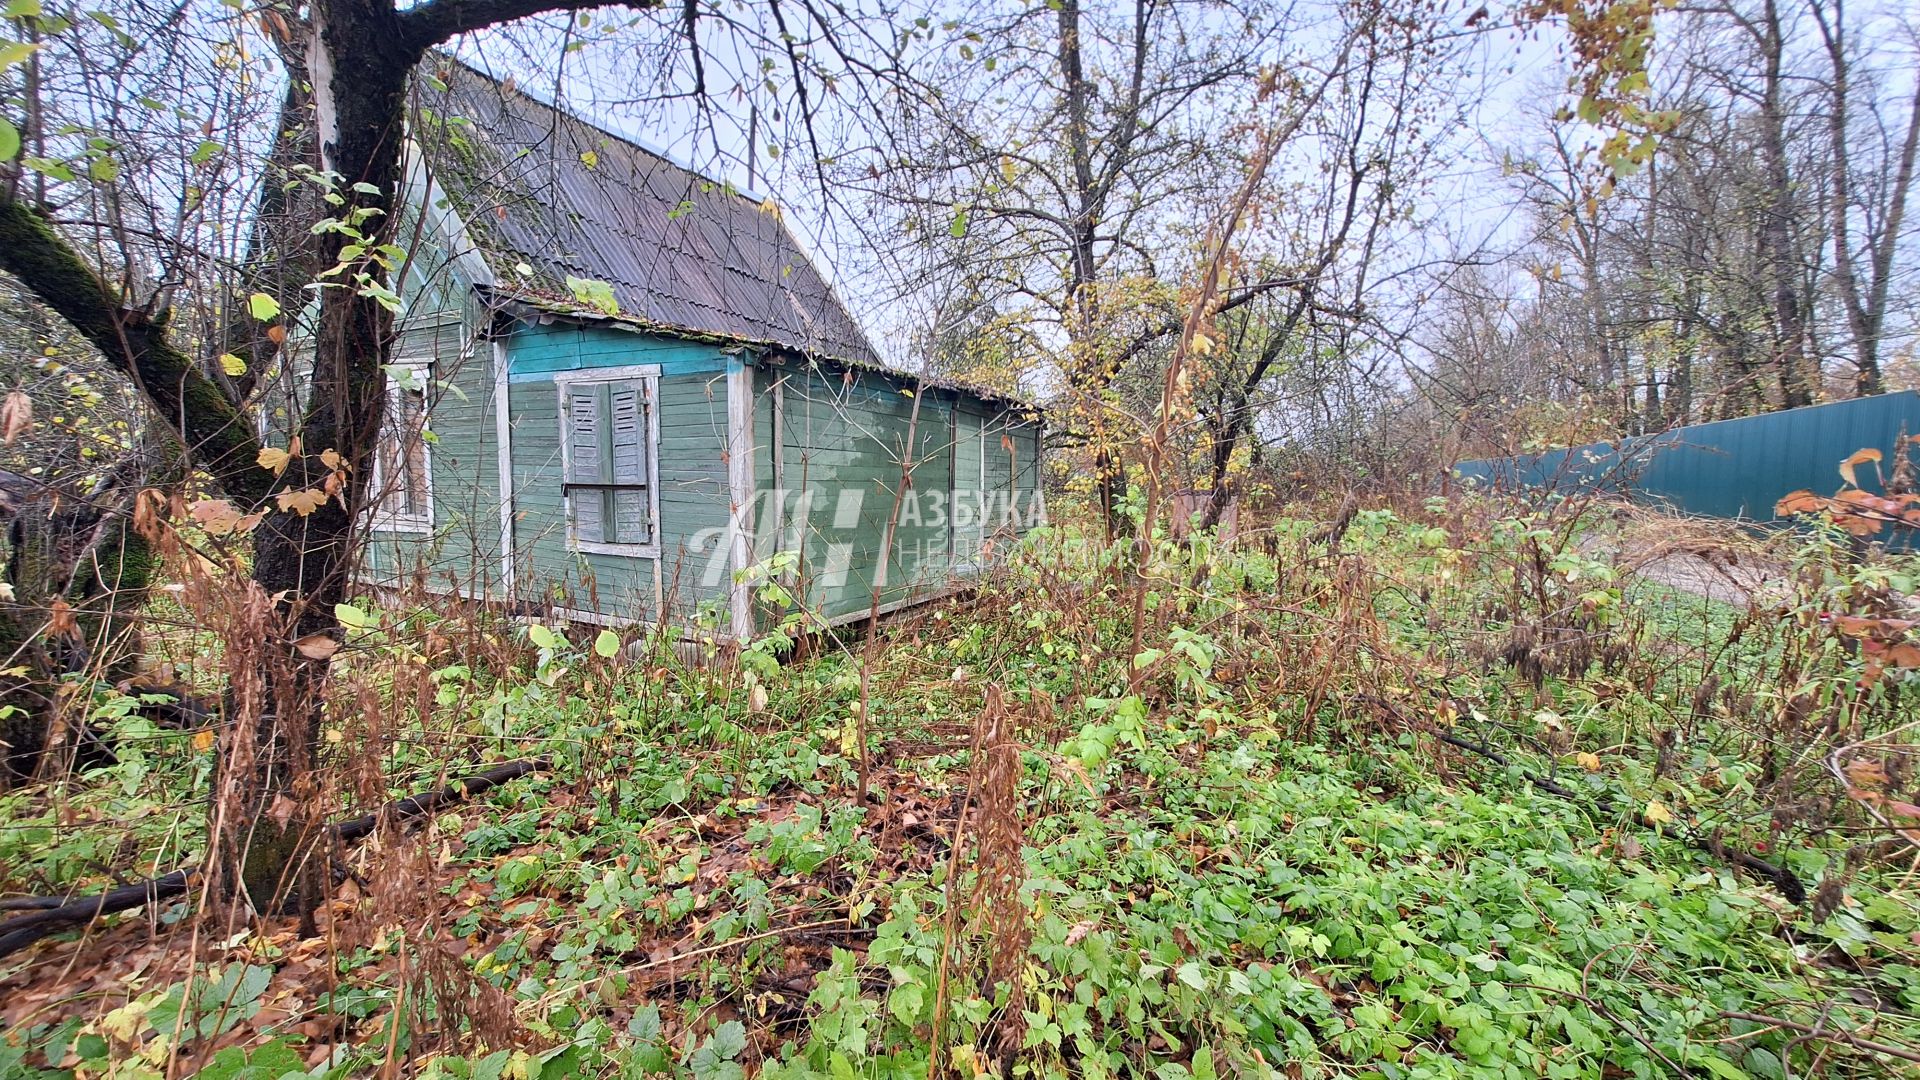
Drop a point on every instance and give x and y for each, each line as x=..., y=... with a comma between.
x=203, y=740
x=302, y=502
x=331, y=459
x=1589, y=762
x=274, y=458
x=126, y=1021
x=1657, y=813
x=232, y=365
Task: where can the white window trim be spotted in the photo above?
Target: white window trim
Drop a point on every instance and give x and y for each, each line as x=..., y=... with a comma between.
x=392, y=521
x=563, y=381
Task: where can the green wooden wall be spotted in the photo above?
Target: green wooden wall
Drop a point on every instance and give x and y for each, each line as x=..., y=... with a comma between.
x=460, y=552
x=827, y=447
x=843, y=438
x=693, y=567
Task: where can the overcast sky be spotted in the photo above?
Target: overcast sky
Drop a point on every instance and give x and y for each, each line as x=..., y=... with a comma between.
x=629, y=72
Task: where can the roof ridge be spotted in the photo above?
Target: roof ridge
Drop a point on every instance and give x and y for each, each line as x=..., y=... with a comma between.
x=683, y=247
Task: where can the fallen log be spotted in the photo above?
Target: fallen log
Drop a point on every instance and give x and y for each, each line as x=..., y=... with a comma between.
x=52, y=914
x=428, y=801
x=1779, y=877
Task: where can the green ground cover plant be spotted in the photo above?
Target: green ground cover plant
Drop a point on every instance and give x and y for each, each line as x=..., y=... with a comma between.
x=1450, y=792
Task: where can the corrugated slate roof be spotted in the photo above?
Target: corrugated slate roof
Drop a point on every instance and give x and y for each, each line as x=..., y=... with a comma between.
x=540, y=186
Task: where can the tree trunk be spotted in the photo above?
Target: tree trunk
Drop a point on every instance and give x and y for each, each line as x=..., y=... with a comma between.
x=361, y=54
x=1777, y=249
x=1094, y=372
x=78, y=548
x=267, y=828
x=266, y=816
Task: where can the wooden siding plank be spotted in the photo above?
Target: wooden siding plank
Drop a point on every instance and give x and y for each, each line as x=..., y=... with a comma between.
x=692, y=477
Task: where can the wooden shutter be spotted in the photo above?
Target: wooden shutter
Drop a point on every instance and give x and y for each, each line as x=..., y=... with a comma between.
x=629, y=428
x=610, y=445
x=585, y=463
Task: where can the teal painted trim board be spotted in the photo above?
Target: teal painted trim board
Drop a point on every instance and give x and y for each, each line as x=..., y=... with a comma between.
x=535, y=352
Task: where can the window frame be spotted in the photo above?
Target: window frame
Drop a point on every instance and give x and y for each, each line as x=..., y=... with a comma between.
x=564, y=382
x=385, y=517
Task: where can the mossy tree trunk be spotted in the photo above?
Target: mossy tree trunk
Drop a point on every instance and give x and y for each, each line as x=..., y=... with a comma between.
x=361, y=54
x=79, y=549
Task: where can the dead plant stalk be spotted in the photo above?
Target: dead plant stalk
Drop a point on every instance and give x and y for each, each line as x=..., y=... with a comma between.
x=1192, y=339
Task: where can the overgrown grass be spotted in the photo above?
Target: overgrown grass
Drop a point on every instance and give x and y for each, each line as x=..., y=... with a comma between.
x=1248, y=851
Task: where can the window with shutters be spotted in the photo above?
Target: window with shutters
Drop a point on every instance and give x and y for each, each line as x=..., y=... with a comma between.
x=402, y=477
x=608, y=433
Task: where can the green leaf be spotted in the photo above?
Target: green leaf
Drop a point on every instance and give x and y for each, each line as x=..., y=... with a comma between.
x=351, y=617
x=714, y=1060
x=263, y=307
x=13, y=52
x=228, y=1064
x=545, y=638
x=959, y=227
x=253, y=982
x=9, y=139
x=48, y=167
x=607, y=644
x=232, y=365
x=19, y=9
x=730, y=1039
x=1192, y=974
x=906, y=1001
x=205, y=152
x=595, y=294
x=1723, y=1068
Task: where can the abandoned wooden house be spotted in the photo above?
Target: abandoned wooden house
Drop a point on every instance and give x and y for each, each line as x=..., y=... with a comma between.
x=621, y=390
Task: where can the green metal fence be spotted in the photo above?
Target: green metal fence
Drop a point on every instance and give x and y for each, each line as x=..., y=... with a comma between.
x=1729, y=468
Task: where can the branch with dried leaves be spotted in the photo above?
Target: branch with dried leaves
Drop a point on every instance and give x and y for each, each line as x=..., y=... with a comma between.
x=56, y=914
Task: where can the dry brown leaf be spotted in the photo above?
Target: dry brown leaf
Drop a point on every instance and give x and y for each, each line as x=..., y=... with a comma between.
x=60, y=620
x=1859, y=457
x=320, y=646
x=219, y=518
x=1866, y=773
x=16, y=416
